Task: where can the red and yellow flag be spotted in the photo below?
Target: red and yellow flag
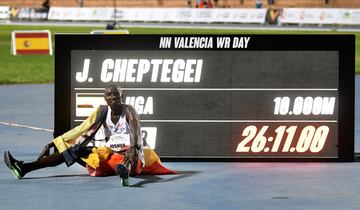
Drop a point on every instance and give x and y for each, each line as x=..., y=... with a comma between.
x=31, y=43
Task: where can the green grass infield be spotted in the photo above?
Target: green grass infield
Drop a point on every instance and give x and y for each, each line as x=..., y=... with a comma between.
x=40, y=68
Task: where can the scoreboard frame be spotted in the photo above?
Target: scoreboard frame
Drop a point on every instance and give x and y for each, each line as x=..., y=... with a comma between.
x=343, y=44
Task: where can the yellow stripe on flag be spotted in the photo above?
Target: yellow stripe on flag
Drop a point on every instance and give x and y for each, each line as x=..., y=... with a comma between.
x=32, y=43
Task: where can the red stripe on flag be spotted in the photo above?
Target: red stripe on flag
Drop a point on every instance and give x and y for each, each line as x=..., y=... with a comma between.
x=31, y=35
x=32, y=52
x=157, y=168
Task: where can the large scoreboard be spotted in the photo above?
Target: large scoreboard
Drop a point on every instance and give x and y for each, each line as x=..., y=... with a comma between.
x=223, y=97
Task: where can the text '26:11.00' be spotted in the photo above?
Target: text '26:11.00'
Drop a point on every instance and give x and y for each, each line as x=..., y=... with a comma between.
x=310, y=139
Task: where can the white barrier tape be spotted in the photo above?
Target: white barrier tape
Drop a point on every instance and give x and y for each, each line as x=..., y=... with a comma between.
x=26, y=126
x=320, y=16
x=4, y=12
x=159, y=14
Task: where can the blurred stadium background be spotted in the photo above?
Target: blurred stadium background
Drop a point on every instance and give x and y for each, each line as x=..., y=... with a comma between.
x=165, y=17
x=184, y=3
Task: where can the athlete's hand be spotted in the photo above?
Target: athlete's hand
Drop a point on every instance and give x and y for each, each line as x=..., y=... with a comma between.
x=131, y=157
x=46, y=151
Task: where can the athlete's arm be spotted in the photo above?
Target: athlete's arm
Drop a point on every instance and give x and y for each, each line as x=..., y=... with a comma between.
x=135, y=133
x=134, y=123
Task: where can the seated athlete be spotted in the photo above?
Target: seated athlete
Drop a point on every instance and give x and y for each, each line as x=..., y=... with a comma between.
x=108, y=142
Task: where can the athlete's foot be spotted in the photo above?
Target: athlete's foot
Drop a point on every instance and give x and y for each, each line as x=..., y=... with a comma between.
x=123, y=173
x=14, y=165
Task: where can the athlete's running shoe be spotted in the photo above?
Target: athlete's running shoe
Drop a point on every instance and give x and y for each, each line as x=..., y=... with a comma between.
x=123, y=173
x=14, y=165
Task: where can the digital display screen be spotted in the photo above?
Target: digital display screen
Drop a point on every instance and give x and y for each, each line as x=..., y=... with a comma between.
x=201, y=97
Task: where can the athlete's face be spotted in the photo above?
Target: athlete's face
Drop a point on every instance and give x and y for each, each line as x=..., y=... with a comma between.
x=112, y=97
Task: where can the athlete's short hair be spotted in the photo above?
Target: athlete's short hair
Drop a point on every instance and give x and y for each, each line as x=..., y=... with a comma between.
x=112, y=87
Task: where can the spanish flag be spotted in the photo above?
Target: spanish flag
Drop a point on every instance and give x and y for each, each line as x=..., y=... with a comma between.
x=153, y=163
x=31, y=43
x=102, y=162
